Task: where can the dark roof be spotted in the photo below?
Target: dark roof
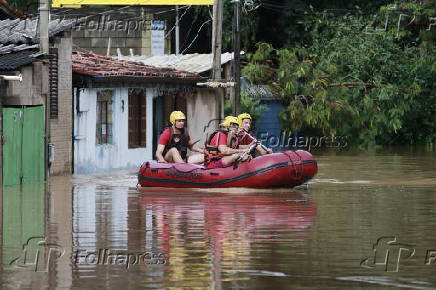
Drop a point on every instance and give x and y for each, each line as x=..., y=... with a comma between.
x=94, y=65
x=25, y=31
x=15, y=60
x=13, y=56
x=19, y=40
x=258, y=92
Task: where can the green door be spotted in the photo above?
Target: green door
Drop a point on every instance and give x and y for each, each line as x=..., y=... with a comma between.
x=33, y=145
x=23, y=148
x=12, y=147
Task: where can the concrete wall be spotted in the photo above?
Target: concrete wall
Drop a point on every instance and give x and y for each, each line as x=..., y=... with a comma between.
x=61, y=128
x=203, y=110
x=91, y=157
x=129, y=28
x=30, y=91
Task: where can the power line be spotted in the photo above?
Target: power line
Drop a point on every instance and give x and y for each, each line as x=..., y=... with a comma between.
x=177, y=22
x=190, y=29
x=198, y=33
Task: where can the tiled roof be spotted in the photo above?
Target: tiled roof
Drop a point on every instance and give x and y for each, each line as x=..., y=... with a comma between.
x=94, y=65
x=258, y=92
x=10, y=48
x=14, y=56
x=196, y=63
x=25, y=31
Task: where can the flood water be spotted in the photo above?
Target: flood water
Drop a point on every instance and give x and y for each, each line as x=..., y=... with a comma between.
x=367, y=220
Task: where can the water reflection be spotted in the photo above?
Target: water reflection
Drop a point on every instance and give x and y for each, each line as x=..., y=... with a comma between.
x=23, y=226
x=206, y=233
x=226, y=238
x=200, y=234
x=36, y=235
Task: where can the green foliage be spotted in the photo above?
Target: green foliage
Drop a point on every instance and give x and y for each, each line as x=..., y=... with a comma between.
x=372, y=79
x=259, y=69
x=248, y=105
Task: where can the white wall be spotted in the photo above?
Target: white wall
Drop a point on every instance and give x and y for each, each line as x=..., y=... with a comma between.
x=91, y=157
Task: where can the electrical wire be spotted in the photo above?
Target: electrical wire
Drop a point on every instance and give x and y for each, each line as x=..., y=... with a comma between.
x=190, y=29
x=195, y=38
x=177, y=22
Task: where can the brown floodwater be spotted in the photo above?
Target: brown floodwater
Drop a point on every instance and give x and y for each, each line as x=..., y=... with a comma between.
x=367, y=220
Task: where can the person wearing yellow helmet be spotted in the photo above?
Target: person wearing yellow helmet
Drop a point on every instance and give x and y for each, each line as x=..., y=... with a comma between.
x=244, y=121
x=222, y=145
x=245, y=139
x=174, y=141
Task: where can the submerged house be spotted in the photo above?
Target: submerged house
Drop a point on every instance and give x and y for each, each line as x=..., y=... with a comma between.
x=36, y=111
x=200, y=121
x=119, y=107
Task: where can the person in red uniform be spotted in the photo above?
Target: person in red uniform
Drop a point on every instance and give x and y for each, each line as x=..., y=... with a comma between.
x=174, y=141
x=244, y=135
x=222, y=146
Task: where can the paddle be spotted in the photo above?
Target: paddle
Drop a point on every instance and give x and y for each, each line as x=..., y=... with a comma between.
x=263, y=146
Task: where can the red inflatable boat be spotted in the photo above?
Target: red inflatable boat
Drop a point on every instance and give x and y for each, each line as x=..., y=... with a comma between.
x=285, y=169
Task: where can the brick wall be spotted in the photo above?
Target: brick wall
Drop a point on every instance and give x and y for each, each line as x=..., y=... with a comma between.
x=61, y=128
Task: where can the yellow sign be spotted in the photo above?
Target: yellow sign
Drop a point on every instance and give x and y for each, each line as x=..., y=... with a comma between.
x=79, y=3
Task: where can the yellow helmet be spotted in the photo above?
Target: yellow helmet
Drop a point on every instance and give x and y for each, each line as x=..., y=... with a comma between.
x=242, y=117
x=228, y=121
x=176, y=115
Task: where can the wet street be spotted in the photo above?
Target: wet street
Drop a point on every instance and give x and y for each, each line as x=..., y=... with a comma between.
x=366, y=220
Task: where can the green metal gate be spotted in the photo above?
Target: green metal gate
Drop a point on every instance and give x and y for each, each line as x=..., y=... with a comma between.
x=23, y=148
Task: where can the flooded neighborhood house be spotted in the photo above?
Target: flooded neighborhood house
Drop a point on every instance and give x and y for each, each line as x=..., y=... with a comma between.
x=76, y=111
x=115, y=108
x=36, y=111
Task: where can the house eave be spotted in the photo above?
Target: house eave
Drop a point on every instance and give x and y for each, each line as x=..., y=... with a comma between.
x=133, y=81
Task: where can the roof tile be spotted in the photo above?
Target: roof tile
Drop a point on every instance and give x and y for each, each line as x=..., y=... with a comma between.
x=14, y=60
x=91, y=64
x=195, y=63
x=25, y=31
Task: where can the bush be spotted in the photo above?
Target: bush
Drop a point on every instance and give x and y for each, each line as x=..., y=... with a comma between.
x=377, y=87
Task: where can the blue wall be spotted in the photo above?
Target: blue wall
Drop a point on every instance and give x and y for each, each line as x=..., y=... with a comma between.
x=268, y=126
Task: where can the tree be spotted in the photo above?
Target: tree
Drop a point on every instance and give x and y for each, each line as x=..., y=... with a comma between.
x=352, y=78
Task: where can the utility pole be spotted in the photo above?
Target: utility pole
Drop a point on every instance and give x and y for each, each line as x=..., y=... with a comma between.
x=44, y=11
x=44, y=18
x=236, y=57
x=177, y=31
x=217, y=31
